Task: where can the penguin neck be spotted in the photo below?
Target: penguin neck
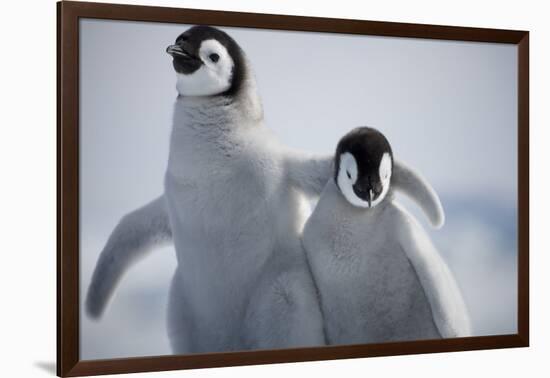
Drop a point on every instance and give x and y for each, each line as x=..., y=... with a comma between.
x=220, y=114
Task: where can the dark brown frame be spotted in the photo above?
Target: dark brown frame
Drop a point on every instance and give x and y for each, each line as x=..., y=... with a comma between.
x=68, y=14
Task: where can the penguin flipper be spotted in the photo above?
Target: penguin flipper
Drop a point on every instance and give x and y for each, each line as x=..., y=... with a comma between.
x=447, y=304
x=137, y=234
x=412, y=184
x=307, y=172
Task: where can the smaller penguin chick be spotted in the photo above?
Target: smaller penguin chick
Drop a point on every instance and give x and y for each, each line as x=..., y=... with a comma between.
x=378, y=275
x=363, y=167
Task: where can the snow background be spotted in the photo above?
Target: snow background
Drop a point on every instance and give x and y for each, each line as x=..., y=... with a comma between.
x=448, y=108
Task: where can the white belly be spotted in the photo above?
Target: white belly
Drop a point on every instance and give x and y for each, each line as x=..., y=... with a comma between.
x=227, y=221
x=236, y=223
x=369, y=290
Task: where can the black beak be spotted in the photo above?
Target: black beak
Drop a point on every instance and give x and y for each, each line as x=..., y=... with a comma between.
x=177, y=50
x=364, y=190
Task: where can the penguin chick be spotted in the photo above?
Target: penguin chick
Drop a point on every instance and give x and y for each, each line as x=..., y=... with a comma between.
x=379, y=277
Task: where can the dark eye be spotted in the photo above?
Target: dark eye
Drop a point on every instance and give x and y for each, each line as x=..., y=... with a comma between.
x=349, y=176
x=214, y=57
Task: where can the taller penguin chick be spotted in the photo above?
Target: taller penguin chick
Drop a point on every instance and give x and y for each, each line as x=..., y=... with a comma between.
x=242, y=280
x=379, y=276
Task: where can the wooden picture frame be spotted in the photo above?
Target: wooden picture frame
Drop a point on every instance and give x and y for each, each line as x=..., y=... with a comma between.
x=68, y=299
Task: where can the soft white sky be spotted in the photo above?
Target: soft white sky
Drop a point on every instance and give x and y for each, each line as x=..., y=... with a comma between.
x=448, y=108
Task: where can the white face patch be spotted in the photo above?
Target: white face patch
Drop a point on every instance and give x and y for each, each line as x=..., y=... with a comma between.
x=347, y=177
x=214, y=75
x=384, y=171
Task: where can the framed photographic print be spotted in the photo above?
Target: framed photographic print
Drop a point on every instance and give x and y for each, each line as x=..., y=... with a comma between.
x=238, y=188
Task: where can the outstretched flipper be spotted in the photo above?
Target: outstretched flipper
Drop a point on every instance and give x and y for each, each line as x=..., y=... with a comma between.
x=448, y=308
x=412, y=184
x=137, y=233
x=310, y=174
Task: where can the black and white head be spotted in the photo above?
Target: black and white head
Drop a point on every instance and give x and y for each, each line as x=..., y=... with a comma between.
x=207, y=61
x=364, y=163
